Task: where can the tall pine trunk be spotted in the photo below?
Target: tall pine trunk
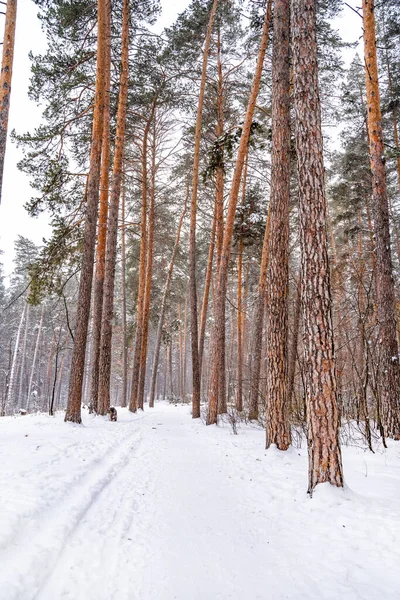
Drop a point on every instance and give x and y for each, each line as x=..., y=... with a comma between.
x=123, y=293
x=325, y=463
x=5, y=80
x=98, y=287
x=112, y=226
x=193, y=216
x=390, y=370
x=73, y=412
x=277, y=416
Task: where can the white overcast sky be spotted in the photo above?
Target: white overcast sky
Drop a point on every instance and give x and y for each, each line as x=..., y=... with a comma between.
x=25, y=115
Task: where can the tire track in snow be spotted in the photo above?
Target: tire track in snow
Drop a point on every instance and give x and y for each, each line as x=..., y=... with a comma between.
x=92, y=558
x=29, y=561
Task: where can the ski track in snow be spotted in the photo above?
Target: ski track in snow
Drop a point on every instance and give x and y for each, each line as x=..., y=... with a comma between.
x=159, y=507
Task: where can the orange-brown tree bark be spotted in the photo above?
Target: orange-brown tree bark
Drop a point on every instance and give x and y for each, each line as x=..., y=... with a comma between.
x=112, y=225
x=102, y=225
x=325, y=463
x=277, y=415
x=73, y=412
x=6, y=79
x=389, y=351
x=222, y=276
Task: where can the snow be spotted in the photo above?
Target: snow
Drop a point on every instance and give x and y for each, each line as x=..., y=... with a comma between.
x=156, y=506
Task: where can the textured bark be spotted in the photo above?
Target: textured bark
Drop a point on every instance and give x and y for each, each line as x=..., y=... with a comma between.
x=294, y=343
x=389, y=352
x=123, y=293
x=73, y=412
x=98, y=286
x=162, y=310
x=325, y=464
x=192, y=233
x=222, y=276
x=112, y=225
x=277, y=416
x=258, y=320
x=5, y=80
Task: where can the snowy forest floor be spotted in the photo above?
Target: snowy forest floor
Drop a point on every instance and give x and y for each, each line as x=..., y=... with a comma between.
x=159, y=507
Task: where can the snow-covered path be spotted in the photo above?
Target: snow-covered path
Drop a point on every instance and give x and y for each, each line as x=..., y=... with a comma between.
x=159, y=507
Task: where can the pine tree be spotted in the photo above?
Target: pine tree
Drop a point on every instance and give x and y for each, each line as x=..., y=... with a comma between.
x=321, y=395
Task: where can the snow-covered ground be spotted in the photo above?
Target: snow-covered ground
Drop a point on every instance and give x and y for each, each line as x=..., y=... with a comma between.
x=159, y=507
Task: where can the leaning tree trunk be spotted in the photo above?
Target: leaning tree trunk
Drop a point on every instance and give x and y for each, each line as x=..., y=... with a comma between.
x=193, y=215
x=73, y=412
x=390, y=371
x=325, y=463
x=222, y=276
x=277, y=415
x=112, y=226
x=98, y=287
x=5, y=80
x=162, y=311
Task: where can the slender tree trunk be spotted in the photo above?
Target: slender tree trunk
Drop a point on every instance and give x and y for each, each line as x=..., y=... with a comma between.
x=98, y=287
x=390, y=370
x=149, y=270
x=123, y=292
x=5, y=80
x=22, y=388
x=73, y=412
x=277, y=418
x=133, y=403
x=193, y=215
x=240, y=336
x=220, y=183
x=10, y=398
x=258, y=322
x=207, y=286
x=35, y=354
x=239, y=391
x=222, y=277
x=295, y=340
x=162, y=310
x=325, y=463
x=112, y=226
